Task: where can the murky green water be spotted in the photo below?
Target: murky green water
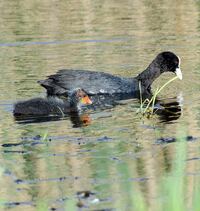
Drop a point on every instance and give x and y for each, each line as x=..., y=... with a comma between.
x=117, y=150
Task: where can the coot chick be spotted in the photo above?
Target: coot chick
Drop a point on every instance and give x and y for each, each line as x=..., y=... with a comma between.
x=53, y=105
x=103, y=83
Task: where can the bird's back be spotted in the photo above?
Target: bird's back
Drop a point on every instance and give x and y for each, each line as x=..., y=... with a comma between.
x=91, y=81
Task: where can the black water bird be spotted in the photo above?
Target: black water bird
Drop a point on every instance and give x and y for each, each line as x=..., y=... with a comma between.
x=96, y=83
x=53, y=106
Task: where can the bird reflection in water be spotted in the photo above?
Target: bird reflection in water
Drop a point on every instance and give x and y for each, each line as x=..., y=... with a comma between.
x=167, y=110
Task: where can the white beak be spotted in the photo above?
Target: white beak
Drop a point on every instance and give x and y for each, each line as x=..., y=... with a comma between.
x=179, y=73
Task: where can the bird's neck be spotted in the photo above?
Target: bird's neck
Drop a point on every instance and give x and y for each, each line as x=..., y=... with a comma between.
x=74, y=105
x=148, y=76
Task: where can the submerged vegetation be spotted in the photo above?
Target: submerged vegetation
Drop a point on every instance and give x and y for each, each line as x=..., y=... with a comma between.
x=173, y=187
x=171, y=192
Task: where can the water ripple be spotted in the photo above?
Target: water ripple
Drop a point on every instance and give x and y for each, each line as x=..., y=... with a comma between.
x=58, y=42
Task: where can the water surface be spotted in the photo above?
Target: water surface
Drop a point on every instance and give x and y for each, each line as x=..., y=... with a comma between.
x=116, y=150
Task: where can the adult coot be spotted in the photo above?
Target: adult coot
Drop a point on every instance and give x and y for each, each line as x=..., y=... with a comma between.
x=52, y=105
x=103, y=83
